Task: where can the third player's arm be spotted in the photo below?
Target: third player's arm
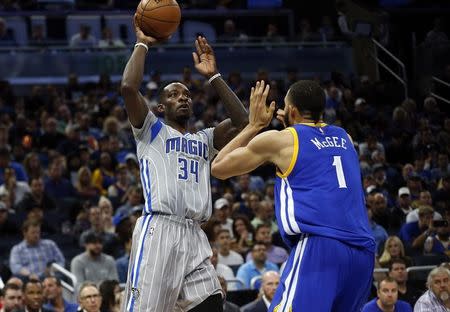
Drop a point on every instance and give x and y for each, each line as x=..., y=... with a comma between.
x=205, y=63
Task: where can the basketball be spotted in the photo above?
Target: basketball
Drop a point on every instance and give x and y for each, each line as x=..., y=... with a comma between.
x=158, y=18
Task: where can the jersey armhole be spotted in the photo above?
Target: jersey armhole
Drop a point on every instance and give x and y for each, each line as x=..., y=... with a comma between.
x=293, y=158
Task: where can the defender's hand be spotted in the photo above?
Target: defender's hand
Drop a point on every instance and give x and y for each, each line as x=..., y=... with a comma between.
x=141, y=37
x=260, y=115
x=204, y=59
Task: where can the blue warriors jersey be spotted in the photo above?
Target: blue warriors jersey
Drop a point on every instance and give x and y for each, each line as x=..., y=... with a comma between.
x=321, y=193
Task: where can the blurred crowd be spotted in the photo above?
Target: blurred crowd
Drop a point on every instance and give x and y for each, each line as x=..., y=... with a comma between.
x=70, y=190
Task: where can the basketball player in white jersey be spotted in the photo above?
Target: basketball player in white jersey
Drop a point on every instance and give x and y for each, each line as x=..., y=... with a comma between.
x=169, y=264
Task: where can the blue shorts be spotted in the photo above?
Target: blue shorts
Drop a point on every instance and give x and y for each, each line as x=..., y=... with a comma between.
x=324, y=274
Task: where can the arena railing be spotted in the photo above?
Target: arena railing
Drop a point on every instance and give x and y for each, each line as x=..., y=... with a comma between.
x=436, y=81
x=65, y=275
x=403, y=79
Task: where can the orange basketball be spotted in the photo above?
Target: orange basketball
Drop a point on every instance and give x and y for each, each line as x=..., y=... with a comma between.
x=158, y=18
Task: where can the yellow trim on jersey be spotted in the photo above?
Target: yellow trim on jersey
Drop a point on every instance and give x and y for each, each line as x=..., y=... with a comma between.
x=320, y=124
x=294, y=155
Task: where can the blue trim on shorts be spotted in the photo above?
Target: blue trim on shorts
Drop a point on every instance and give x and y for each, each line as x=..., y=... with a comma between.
x=135, y=280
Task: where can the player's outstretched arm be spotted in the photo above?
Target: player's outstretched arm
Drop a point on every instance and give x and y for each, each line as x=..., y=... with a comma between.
x=248, y=150
x=205, y=63
x=132, y=78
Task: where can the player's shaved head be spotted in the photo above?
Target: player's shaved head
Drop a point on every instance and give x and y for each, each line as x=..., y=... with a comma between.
x=164, y=89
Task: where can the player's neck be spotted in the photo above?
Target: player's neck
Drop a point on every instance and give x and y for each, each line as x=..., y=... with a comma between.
x=179, y=127
x=305, y=120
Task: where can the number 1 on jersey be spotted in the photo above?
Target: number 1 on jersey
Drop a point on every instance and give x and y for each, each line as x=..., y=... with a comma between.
x=339, y=171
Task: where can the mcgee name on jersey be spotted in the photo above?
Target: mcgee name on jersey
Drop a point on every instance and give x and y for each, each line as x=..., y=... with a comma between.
x=190, y=147
x=330, y=142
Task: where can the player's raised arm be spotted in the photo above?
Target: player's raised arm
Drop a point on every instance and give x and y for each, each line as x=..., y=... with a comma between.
x=205, y=63
x=132, y=78
x=247, y=150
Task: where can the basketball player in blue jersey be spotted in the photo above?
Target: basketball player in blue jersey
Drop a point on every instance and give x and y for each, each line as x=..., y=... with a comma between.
x=169, y=266
x=319, y=200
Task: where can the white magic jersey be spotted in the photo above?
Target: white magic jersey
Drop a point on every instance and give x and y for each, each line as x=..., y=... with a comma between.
x=175, y=169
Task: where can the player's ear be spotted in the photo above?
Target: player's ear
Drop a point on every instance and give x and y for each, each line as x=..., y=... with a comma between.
x=161, y=108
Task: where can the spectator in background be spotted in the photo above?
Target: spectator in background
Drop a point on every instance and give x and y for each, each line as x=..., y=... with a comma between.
x=110, y=292
x=275, y=254
x=7, y=226
x=414, y=234
x=227, y=305
x=93, y=265
x=221, y=213
x=33, y=296
x=379, y=233
x=393, y=250
x=85, y=187
x=222, y=270
x=264, y=214
x=17, y=190
x=230, y=33
x=256, y=266
x=243, y=234
x=38, y=36
x=11, y=298
x=436, y=36
x=272, y=34
x=89, y=297
x=342, y=9
x=33, y=255
x=122, y=262
x=118, y=190
x=437, y=297
x=305, y=32
x=83, y=39
x=50, y=138
x=326, y=29
x=226, y=255
x=6, y=35
x=53, y=296
x=387, y=300
x=134, y=198
x=106, y=211
x=5, y=162
x=401, y=210
x=56, y=186
x=108, y=41
x=380, y=211
x=37, y=198
x=109, y=240
x=406, y=291
x=270, y=281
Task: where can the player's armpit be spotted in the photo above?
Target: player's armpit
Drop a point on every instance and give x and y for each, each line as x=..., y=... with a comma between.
x=263, y=148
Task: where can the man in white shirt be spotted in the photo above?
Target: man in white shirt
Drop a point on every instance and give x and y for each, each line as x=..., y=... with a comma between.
x=226, y=255
x=222, y=270
x=437, y=297
x=270, y=281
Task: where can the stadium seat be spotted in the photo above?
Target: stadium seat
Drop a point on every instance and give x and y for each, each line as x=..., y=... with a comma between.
x=40, y=20
x=191, y=29
x=256, y=282
x=73, y=23
x=121, y=27
x=19, y=29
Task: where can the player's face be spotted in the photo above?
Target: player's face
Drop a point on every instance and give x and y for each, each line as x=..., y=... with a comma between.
x=177, y=104
x=388, y=293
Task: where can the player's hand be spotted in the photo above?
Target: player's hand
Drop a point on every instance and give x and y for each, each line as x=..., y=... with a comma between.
x=204, y=59
x=260, y=114
x=141, y=37
x=280, y=116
